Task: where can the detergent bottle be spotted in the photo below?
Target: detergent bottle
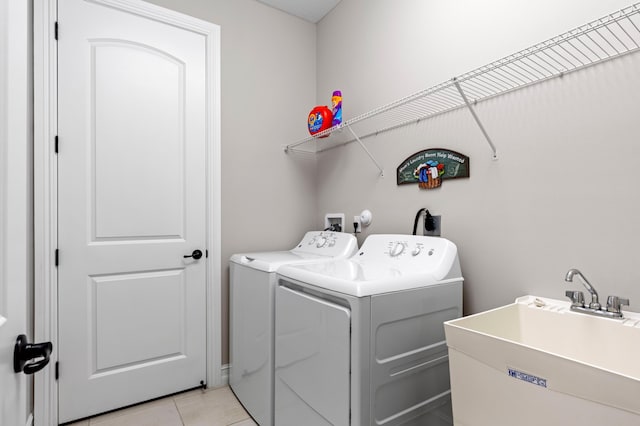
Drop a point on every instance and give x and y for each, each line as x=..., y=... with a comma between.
x=319, y=120
x=336, y=105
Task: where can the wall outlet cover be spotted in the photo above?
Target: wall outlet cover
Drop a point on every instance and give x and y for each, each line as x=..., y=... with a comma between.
x=331, y=219
x=437, y=222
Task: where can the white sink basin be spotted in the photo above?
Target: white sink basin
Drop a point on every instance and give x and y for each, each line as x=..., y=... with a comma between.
x=536, y=362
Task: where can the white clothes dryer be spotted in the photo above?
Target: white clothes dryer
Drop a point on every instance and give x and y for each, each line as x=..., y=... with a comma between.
x=251, y=323
x=361, y=341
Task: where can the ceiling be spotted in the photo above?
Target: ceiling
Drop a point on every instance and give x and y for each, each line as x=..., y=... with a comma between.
x=310, y=10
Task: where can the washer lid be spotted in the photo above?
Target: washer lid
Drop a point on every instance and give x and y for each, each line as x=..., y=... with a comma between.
x=315, y=246
x=385, y=263
x=270, y=261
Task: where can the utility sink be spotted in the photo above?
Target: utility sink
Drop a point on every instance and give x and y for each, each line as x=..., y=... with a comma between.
x=537, y=362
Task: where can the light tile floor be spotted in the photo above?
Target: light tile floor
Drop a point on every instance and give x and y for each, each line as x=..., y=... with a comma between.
x=213, y=407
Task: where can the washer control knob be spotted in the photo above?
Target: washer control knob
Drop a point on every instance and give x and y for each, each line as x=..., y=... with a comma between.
x=321, y=242
x=397, y=249
x=416, y=251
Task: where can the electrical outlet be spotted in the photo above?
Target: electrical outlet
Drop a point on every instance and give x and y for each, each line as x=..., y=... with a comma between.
x=436, y=232
x=358, y=229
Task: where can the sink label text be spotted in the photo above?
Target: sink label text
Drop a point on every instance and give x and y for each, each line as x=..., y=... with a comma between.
x=526, y=377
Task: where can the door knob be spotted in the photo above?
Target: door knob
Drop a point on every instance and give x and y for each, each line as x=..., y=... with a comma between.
x=30, y=357
x=197, y=254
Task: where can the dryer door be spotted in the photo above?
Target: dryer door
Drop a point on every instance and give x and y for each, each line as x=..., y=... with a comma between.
x=312, y=360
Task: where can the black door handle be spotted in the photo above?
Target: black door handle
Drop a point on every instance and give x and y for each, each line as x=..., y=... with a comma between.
x=197, y=254
x=30, y=357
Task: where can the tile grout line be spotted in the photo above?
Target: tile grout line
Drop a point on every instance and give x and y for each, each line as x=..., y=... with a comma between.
x=175, y=404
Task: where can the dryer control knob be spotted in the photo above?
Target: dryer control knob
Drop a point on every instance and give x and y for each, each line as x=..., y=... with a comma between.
x=397, y=250
x=416, y=251
x=321, y=242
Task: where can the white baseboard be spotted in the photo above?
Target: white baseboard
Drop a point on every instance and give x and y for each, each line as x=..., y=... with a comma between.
x=224, y=375
x=30, y=420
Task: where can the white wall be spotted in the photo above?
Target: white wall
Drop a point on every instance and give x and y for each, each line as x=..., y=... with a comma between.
x=268, y=86
x=563, y=193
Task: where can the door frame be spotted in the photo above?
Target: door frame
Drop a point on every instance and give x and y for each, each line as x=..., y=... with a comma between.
x=16, y=254
x=45, y=189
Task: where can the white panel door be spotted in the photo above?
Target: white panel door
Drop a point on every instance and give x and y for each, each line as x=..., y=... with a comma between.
x=131, y=200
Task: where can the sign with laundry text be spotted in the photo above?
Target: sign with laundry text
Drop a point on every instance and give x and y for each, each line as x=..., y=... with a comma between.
x=430, y=167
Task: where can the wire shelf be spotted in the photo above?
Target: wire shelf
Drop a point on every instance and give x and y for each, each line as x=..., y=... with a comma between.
x=606, y=38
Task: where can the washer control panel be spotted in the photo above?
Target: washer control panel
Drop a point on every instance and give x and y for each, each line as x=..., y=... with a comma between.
x=411, y=252
x=399, y=248
x=327, y=243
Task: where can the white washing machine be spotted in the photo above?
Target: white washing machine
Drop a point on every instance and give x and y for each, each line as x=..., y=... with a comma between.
x=252, y=286
x=361, y=341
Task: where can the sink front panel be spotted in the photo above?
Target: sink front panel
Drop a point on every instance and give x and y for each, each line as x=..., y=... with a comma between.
x=547, y=355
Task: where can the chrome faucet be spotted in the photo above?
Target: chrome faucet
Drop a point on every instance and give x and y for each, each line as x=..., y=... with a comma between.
x=595, y=304
x=594, y=308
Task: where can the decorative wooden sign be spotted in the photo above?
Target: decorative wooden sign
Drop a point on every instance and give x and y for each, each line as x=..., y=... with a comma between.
x=429, y=167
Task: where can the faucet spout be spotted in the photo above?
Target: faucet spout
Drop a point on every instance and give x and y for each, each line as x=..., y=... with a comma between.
x=595, y=304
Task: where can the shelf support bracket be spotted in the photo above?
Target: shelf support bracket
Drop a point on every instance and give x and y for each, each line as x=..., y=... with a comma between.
x=475, y=117
x=367, y=151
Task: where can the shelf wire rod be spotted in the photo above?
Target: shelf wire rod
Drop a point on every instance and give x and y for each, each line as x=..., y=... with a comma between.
x=499, y=79
x=449, y=97
x=452, y=94
x=486, y=81
x=626, y=48
x=556, y=41
x=590, y=49
x=446, y=97
x=524, y=78
x=428, y=103
x=434, y=106
x=563, y=66
x=423, y=104
x=599, y=46
x=472, y=93
x=573, y=65
x=557, y=70
x=545, y=71
x=396, y=104
x=531, y=65
x=627, y=34
x=532, y=72
x=503, y=76
x=533, y=68
x=489, y=90
x=588, y=35
x=475, y=117
x=597, y=31
x=634, y=24
x=366, y=150
x=607, y=40
x=513, y=73
x=562, y=47
x=578, y=51
x=474, y=89
x=453, y=98
x=422, y=109
x=441, y=103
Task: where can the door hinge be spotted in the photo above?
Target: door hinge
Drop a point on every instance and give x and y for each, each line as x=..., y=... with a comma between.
x=55, y=148
x=55, y=30
x=57, y=370
x=57, y=257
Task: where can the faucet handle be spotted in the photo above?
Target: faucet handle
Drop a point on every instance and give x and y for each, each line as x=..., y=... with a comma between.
x=577, y=297
x=614, y=303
